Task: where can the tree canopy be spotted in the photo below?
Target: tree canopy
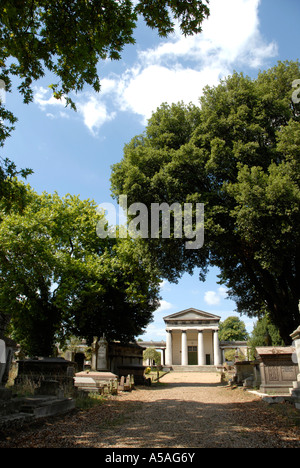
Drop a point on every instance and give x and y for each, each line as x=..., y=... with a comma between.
x=68, y=39
x=233, y=329
x=57, y=277
x=238, y=154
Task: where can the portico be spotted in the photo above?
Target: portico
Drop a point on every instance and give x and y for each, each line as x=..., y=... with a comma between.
x=192, y=338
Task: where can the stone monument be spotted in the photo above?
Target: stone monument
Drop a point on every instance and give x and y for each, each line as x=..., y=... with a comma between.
x=94, y=354
x=295, y=391
x=277, y=369
x=99, y=378
x=102, y=354
x=2, y=358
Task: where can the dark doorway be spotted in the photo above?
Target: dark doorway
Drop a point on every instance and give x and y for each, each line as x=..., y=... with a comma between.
x=192, y=356
x=79, y=359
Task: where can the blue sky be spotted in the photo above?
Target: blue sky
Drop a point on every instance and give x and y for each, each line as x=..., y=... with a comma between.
x=73, y=152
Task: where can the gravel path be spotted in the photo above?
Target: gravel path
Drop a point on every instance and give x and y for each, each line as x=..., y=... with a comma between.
x=186, y=410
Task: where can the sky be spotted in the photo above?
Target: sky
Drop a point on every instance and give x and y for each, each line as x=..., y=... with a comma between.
x=72, y=152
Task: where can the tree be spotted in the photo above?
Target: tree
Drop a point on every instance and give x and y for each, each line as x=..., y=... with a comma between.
x=233, y=329
x=238, y=154
x=153, y=355
x=58, y=278
x=69, y=38
x=265, y=334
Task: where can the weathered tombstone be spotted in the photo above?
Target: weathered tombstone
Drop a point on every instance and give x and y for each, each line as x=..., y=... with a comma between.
x=2, y=359
x=102, y=364
x=115, y=387
x=94, y=353
x=132, y=381
x=295, y=392
x=121, y=384
x=277, y=369
x=127, y=385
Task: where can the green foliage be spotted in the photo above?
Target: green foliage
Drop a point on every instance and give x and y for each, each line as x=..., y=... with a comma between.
x=238, y=154
x=233, y=329
x=265, y=334
x=58, y=278
x=151, y=353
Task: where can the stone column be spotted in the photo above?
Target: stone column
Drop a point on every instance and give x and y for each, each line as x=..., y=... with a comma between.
x=162, y=359
x=201, y=354
x=217, y=360
x=169, y=360
x=184, y=349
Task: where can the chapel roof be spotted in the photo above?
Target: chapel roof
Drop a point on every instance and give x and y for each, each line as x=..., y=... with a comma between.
x=191, y=314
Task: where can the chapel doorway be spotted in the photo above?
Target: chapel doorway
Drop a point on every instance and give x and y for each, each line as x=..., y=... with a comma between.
x=192, y=356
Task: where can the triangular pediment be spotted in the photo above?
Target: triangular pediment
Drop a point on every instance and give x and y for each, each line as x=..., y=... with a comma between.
x=191, y=315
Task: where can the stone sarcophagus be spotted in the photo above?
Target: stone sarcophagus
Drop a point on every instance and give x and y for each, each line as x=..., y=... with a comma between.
x=278, y=369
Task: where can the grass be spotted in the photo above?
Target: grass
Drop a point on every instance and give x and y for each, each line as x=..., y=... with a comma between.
x=86, y=400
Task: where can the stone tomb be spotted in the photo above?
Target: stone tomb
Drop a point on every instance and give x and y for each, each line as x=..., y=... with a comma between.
x=277, y=369
x=96, y=382
x=127, y=359
x=295, y=391
x=39, y=369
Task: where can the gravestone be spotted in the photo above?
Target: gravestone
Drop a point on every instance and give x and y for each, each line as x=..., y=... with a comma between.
x=102, y=355
x=94, y=353
x=277, y=369
x=295, y=391
x=2, y=359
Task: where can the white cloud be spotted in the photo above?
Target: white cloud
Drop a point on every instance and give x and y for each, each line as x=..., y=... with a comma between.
x=90, y=106
x=94, y=113
x=164, y=305
x=44, y=98
x=215, y=297
x=154, y=332
x=212, y=298
x=180, y=67
x=146, y=90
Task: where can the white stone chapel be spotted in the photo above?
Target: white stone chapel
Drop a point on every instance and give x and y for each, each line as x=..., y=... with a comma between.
x=192, y=338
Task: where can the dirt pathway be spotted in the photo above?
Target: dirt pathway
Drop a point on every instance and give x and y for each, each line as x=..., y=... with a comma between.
x=184, y=411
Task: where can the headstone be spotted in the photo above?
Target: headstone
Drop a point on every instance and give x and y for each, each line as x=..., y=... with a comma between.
x=102, y=364
x=2, y=359
x=121, y=384
x=127, y=385
x=94, y=353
